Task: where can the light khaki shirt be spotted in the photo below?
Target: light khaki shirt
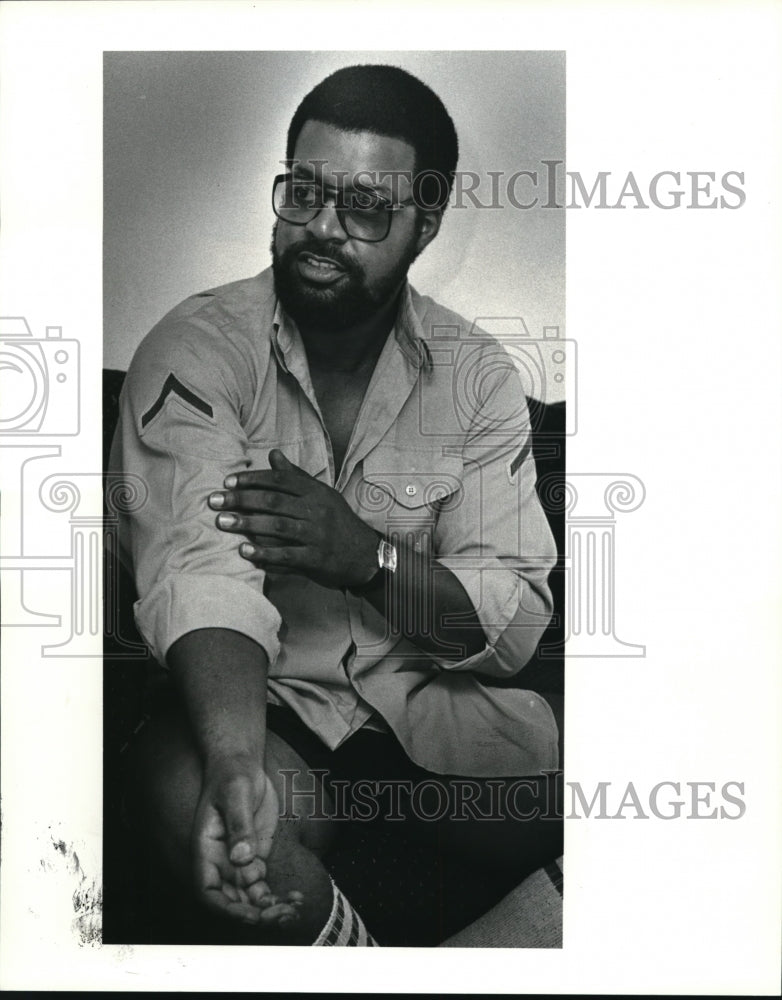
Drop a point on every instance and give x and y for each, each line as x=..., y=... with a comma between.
x=440, y=454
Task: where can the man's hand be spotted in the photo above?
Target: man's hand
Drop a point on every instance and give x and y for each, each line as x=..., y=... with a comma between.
x=233, y=833
x=297, y=524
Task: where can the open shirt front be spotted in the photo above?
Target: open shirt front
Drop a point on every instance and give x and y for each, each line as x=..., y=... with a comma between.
x=440, y=455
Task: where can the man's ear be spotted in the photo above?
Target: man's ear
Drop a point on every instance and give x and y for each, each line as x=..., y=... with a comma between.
x=429, y=223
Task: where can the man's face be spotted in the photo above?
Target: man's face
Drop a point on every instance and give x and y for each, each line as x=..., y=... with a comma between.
x=324, y=278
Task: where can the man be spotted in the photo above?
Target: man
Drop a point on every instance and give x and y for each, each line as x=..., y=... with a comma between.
x=378, y=554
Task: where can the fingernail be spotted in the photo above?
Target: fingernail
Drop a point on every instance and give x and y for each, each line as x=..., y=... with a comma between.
x=246, y=549
x=216, y=500
x=230, y=482
x=226, y=520
x=242, y=851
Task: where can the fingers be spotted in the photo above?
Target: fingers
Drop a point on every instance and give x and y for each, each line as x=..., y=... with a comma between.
x=277, y=460
x=233, y=834
x=252, y=903
x=258, y=501
x=252, y=875
x=282, y=477
x=237, y=807
x=278, y=913
x=282, y=558
x=284, y=528
x=218, y=902
x=220, y=894
x=276, y=481
x=237, y=893
x=267, y=912
x=281, y=911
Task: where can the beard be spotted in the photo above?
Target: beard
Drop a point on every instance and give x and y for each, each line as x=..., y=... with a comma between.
x=348, y=302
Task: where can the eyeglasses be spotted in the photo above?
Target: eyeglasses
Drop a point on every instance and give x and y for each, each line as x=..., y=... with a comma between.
x=362, y=213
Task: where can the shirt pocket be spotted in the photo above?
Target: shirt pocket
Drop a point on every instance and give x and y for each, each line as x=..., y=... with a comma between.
x=404, y=488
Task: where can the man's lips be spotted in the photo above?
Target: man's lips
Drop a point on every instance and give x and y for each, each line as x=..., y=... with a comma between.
x=321, y=270
x=318, y=260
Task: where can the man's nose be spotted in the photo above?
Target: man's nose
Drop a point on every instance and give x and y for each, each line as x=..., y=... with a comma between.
x=327, y=226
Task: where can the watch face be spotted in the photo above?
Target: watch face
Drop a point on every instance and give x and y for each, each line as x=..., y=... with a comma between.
x=386, y=555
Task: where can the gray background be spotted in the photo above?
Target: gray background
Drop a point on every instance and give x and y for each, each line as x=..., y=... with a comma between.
x=192, y=140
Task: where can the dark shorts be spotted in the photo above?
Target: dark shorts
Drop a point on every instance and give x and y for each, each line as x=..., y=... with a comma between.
x=374, y=759
x=369, y=777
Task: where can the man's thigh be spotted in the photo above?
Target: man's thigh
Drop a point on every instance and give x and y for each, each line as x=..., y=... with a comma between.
x=512, y=824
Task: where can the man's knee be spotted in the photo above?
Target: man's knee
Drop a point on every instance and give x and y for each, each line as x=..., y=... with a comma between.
x=162, y=784
x=164, y=777
x=305, y=805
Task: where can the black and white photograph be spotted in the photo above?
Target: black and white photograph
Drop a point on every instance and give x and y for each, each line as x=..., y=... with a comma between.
x=336, y=499
x=388, y=563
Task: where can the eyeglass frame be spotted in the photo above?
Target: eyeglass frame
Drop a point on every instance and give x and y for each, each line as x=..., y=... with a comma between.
x=340, y=209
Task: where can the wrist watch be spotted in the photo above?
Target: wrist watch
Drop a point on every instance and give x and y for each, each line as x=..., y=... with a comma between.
x=386, y=561
x=386, y=556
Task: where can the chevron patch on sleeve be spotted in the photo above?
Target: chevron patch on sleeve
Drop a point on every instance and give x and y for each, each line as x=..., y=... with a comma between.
x=173, y=385
x=518, y=461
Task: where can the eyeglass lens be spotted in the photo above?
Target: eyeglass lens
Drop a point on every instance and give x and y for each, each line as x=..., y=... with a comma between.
x=363, y=216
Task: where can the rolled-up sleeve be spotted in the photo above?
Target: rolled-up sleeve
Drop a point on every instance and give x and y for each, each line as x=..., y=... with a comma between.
x=180, y=432
x=494, y=536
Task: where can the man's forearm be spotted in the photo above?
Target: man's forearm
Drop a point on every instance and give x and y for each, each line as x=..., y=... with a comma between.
x=426, y=603
x=222, y=676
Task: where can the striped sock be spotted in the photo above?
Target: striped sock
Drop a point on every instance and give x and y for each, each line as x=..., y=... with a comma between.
x=344, y=928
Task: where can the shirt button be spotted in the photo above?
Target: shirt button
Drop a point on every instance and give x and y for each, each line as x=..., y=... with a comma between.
x=410, y=490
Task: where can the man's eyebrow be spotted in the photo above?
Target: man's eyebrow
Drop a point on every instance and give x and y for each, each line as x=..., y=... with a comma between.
x=304, y=173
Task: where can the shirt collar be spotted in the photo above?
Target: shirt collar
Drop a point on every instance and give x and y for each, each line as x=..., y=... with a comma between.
x=282, y=334
x=408, y=331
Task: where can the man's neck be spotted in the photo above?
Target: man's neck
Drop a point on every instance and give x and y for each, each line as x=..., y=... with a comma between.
x=353, y=349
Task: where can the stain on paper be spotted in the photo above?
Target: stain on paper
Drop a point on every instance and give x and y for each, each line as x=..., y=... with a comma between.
x=87, y=896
